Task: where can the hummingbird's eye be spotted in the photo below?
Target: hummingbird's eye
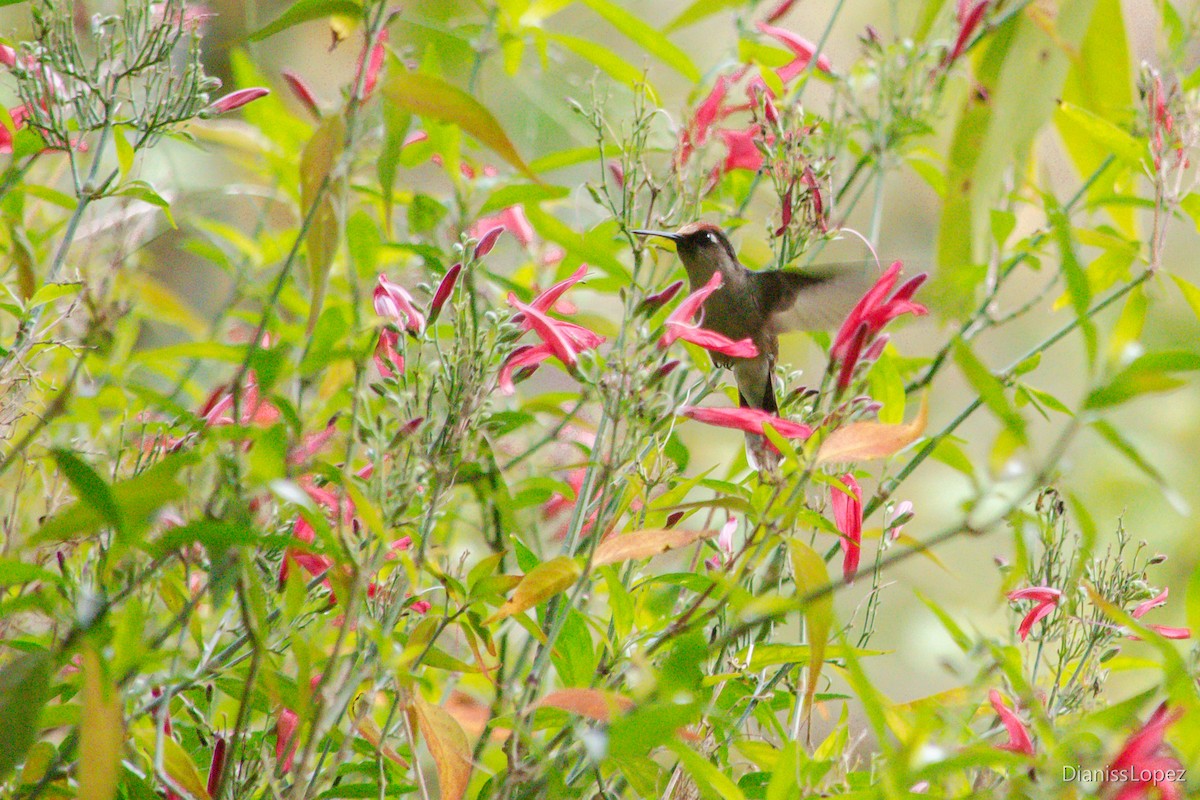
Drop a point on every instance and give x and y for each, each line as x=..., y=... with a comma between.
x=709, y=238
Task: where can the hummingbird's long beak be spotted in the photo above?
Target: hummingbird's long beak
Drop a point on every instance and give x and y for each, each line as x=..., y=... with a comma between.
x=674, y=237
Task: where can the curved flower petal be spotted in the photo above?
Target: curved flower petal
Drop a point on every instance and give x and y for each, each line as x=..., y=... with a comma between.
x=1018, y=734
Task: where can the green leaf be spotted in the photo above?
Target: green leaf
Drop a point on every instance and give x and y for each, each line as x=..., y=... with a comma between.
x=1107, y=136
x=433, y=98
x=989, y=389
x=138, y=498
x=89, y=487
x=15, y=573
x=216, y=535
x=24, y=689
x=569, y=158
x=50, y=292
x=711, y=782
x=521, y=193
x=651, y=40
x=811, y=575
x=125, y=152
x=140, y=190
x=1149, y=373
x=584, y=247
x=698, y=10
x=304, y=11
x=396, y=121
x=317, y=161
x=607, y=62
x=1190, y=293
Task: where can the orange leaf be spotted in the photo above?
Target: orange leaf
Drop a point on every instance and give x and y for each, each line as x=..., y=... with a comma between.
x=447, y=744
x=591, y=703
x=645, y=544
x=862, y=441
x=473, y=715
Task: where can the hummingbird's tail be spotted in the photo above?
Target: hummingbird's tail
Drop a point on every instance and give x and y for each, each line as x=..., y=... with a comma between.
x=760, y=453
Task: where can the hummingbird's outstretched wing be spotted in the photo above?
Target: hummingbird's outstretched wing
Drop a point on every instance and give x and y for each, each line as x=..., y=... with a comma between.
x=815, y=299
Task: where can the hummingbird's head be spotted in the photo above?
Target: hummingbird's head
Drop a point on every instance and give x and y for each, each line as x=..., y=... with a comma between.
x=703, y=248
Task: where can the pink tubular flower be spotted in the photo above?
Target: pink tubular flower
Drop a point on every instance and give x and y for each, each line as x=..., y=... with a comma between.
x=511, y=219
x=1165, y=631
x=217, y=765
x=548, y=299
x=1145, y=760
x=394, y=303
x=302, y=92
x=801, y=48
x=235, y=100
x=779, y=10
x=1018, y=734
x=750, y=420
x=488, y=241
x=552, y=331
x=374, y=54
x=388, y=360
x=218, y=410
x=679, y=325
x=1045, y=599
x=847, y=516
x=1159, y=600
x=526, y=357
x=444, y=290
x=286, y=739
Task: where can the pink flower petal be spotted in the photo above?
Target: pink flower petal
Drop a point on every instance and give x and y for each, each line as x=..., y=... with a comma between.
x=303, y=92
x=444, y=290
x=802, y=48
x=521, y=358
x=546, y=300
x=847, y=516
x=235, y=100
x=393, y=302
x=750, y=420
x=713, y=341
x=488, y=241
x=1018, y=734
x=1154, y=602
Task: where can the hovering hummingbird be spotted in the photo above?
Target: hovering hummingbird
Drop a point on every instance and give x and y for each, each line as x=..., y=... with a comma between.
x=760, y=305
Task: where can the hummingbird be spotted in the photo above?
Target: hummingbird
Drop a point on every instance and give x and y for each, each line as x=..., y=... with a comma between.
x=760, y=305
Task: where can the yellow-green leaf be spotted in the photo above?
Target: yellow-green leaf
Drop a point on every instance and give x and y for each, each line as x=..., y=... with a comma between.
x=434, y=98
x=646, y=37
x=306, y=10
x=447, y=744
x=316, y=199
x=24, y=688
x=810, y=574
x=645, y=544
x=181, y=771
x=539, y=584
x=101, y=732
x=862, y=441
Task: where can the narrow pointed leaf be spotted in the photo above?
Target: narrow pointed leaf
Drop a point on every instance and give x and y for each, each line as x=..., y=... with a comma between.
x=811, y=574
x=317, y=161
x=591, y=703
x=539, y=584
x=862, y=441
x=430, y=96
x=447, y=744
x=101, y=732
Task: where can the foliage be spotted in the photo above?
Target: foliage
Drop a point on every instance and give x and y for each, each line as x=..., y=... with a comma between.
x=375, y=519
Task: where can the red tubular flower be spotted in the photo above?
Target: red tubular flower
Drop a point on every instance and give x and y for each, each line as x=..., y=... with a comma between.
x=1018, y=734
x=524, y=357
x=970, y=14
x=217, y=765
x=847, y=516
x=285, y=739
x=659, y=299
x=801, y=48
x=551, y=331
x=235, y=100
x=750, y=420
x=679, y=325
x=707, y=113
x=303, y=92
x=218, y=409
x=1046, y=599
x=444, y=290
x=547, y=299
x=870, y=315
x=1145, y=760
x=742, y=152
x=393, y=302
